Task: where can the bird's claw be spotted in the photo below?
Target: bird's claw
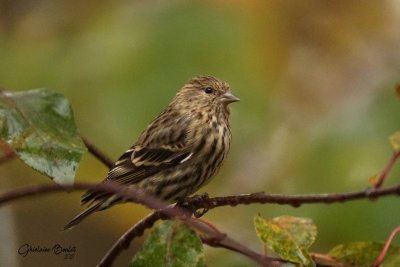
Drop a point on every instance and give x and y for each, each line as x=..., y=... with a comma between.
x=198, y=213
x=190, y=204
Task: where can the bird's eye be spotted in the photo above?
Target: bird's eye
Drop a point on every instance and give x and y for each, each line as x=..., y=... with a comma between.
x=209, y=90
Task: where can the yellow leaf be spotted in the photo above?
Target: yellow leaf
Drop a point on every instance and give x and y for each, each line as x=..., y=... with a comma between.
x=395, y=141
x=373, y=180
x=289, y=237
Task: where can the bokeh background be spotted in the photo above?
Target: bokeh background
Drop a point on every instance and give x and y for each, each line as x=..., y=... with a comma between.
x=316, y=81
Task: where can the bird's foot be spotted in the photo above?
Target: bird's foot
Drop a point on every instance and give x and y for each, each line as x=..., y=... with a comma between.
x=189, y=204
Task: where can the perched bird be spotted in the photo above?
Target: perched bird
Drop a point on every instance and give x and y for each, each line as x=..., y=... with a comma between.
x=180, y=151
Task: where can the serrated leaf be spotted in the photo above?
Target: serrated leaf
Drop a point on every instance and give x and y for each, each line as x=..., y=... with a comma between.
x=171, y=244
x=395, y=141
x=39, y=125
x=364, y=254
x=287, y=236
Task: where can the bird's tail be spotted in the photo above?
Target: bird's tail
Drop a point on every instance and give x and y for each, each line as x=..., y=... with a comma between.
x=81, y=216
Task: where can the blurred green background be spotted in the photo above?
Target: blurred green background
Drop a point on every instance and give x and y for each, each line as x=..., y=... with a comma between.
x=316, y=81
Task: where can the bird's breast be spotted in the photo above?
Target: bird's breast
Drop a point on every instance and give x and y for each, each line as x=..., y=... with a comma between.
x=212, y=145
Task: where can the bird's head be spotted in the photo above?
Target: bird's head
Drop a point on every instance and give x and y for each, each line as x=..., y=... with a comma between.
x=206, y=92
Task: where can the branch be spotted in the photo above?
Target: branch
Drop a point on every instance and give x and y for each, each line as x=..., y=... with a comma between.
x=385, y=249
x=232, y=245
x=388, y=168
x=98, y=153
x=323, y=260
x=293, y=200
x=125, y=192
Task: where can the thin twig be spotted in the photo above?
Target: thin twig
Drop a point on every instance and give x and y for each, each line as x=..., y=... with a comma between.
x=101, y=156
x=325, y=260
x=388, y=168
x=125, y=192
x=293, y=200
x=385, y=249
x=239, y=248
x=133, y=195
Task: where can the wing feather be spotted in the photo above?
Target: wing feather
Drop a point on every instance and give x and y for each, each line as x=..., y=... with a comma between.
x=140, y=162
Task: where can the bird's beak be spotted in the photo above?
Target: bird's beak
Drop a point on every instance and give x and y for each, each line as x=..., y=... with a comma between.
x=228, y=98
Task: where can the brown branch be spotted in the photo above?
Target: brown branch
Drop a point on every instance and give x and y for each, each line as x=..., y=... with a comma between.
x=388, y=168
x=101, y=156
x=293, y=200
x=239, y=248
x=385, y=249
x=112, y=188
x=325, y=260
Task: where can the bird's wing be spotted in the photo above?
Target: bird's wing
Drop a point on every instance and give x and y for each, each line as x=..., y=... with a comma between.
x=165, y=143
x=167, y=147
x=141, y=162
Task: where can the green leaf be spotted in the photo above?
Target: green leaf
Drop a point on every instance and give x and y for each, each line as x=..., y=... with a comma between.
x=395, y=141
x=365, y=254
x=171, y=244
x=289, y=237
x=39, y=126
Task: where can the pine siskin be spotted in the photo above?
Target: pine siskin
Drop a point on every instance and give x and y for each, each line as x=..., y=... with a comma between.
x=180, y=151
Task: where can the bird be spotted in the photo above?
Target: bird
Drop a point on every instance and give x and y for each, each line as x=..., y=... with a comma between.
x=179, y=151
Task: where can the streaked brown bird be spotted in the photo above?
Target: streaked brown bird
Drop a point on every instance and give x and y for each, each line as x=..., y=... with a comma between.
x=180, y=151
